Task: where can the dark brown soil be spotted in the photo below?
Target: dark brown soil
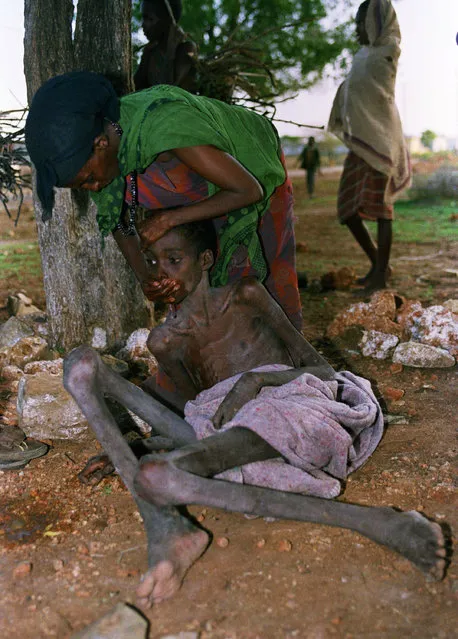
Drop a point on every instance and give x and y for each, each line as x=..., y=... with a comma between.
x=84, y=548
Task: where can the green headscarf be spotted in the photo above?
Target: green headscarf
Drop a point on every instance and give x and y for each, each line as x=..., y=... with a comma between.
x=166, y=117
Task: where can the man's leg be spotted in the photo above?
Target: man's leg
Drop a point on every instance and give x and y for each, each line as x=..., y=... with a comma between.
x=181, y=477
x=311, y=181
x=361, y=235
x=384, y=241
x=173, y=542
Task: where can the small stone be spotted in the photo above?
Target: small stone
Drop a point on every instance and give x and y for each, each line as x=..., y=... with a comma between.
x=261, y=543
x=95, y=547
x=402, y=565
x=27, y=349
x=19, y=304
x=12, y=331
x=377, y=344
x=57, y=564
x=127, y=572
x=341, y=279
x=284, y=545
x=395, y=419
x=99, y=339
x=53, y=367
x=11, y=373
x=222, y=542
x=22, y=569
x=182, y=635
x=394, y=394
x=378, y=315
x=83, y=549
x=452, y=305
x=396, y=368
x=422, y=356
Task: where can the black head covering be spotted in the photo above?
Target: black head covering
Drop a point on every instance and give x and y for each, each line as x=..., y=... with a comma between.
x=66, y=115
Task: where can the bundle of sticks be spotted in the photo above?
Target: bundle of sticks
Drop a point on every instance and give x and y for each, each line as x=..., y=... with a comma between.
x=13, y=159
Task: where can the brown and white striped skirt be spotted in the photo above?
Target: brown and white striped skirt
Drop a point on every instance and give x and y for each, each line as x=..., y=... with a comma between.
x=362, y=191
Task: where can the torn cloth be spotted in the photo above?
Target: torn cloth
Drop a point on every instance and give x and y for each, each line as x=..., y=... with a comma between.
x=364, y=114
x=323, y=430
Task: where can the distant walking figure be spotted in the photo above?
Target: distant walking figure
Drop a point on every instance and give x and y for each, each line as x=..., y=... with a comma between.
x=310, y=161
x=364, y=116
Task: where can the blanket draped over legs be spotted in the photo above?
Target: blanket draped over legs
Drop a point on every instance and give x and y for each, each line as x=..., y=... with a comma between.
x=183, y=476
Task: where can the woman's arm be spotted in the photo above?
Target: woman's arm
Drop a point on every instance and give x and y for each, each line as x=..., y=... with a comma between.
x=238, y=188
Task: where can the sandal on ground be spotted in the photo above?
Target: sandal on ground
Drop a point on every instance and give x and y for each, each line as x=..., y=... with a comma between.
x=15, y=450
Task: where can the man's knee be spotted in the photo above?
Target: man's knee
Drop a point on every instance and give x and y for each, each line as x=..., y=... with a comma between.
x=156, y=481
x=80, y=368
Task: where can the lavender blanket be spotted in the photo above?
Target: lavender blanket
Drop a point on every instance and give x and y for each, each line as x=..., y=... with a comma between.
x=323, y=430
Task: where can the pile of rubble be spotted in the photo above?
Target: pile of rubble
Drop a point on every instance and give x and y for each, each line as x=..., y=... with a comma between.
x=32, y=395
x=389, y=326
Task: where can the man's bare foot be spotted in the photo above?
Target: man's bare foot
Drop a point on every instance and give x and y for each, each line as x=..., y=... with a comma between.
x=363, y=281
x=164, y=579
x=420, y=541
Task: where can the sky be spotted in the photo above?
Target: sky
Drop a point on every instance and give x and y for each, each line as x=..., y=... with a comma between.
x=427, y=82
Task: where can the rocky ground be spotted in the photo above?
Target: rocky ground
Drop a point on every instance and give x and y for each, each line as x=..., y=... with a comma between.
x=69, y=553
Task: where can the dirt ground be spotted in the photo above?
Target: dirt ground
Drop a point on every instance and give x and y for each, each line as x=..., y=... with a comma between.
x=84, y=550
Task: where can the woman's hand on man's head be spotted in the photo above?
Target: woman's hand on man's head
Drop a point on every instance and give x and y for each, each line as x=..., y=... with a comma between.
x=153, y=228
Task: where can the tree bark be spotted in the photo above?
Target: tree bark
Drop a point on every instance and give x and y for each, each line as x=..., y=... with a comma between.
x=103, y=41
x=86, y=287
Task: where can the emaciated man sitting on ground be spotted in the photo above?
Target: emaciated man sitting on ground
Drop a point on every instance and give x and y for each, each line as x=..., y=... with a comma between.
x=261, y=403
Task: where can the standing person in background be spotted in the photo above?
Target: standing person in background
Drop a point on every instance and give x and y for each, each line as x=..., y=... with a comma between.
x=365, y=117
x=169, y=57
x=310, y=161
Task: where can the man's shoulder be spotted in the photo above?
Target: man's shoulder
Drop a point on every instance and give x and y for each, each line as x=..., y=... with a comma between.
x=248, y=290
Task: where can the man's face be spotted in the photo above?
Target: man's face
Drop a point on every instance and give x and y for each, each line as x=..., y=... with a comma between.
x=361, y=32
x=154, y=26
x=173, y=257
x=101, y=168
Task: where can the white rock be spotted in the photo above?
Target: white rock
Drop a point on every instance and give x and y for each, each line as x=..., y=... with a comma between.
x=452, y=305
x=422, y=356
x=11, y=373
x=377, y=345
x=136, y=345
x=122, y=622
x=45, y=409
x=99, y=339
x=136, y=351
x=12, y=331
x=27, y=349
x=53, y=367
x=19, y=304
x=436, y=326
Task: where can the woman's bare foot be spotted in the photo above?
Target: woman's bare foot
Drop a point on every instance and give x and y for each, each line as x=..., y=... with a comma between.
x=164, y=578
x=421, y=541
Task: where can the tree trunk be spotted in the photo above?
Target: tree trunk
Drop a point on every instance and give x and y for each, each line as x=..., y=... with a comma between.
x=86, y=287
x=103, y=41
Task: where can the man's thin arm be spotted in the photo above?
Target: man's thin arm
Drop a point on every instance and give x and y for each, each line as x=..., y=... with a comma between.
x=302, y=353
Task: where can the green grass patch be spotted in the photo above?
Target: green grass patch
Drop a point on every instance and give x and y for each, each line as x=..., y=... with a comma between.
x=21, y=259
x=424, y=222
